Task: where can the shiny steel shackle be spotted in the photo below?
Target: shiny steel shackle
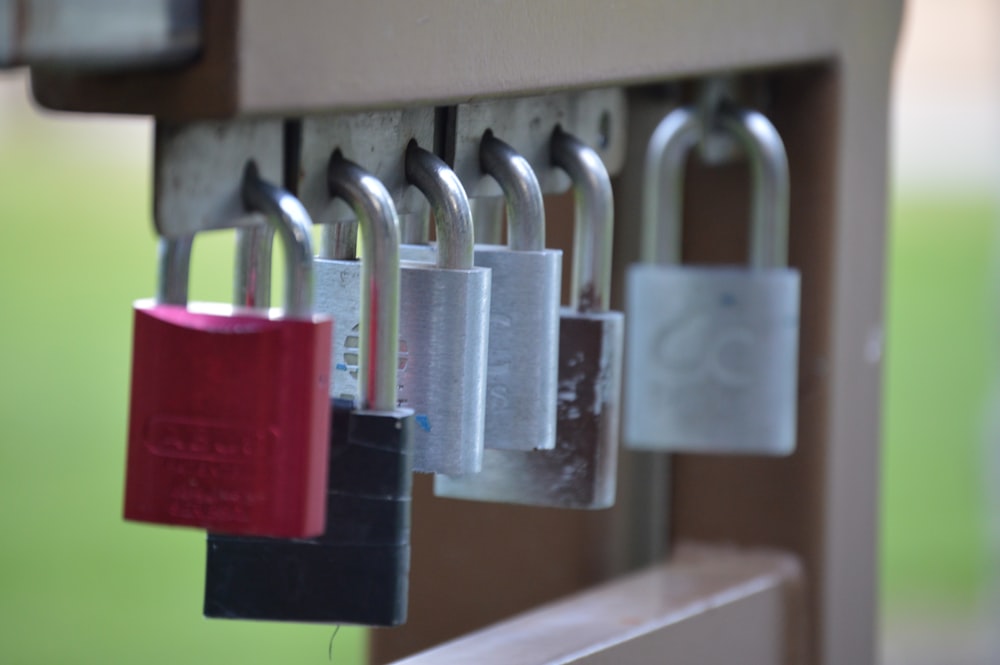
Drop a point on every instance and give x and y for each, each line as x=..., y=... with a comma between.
x=449, y=206
x=669, y=145
x=521, y=191
x=286, y=216
x=379, y=336
x=174, y=268
x=594, y=221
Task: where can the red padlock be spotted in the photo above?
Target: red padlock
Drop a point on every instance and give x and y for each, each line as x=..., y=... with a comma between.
x=229, y=415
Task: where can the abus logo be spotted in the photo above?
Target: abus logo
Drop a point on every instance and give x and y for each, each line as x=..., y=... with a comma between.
x=206, y=440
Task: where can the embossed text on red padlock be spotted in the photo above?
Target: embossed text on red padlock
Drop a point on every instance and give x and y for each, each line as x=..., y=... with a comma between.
x=229, y=420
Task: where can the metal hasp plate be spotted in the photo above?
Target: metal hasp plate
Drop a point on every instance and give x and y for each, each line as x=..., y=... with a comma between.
x=197, y=172
x=596, y=117
x=376, y=141
x=707, y=606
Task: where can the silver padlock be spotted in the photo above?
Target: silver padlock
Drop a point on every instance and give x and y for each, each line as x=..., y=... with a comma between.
x=580, y=471
x=524, y=313
x=712, y=351
x=444, y=326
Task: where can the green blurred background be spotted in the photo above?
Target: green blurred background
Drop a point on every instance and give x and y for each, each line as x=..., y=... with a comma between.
x=79, y=585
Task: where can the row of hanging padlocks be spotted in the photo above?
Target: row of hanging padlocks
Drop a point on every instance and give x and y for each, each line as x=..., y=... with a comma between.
x=291, y=436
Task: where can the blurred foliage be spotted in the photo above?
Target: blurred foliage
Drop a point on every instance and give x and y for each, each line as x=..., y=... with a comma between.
x=940, y=373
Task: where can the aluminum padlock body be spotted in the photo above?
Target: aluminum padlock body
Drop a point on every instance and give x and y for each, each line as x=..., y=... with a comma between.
x=580, y=472
x=358, y=570
x=443, y=340
x=228, y=420
x=523, y=359
x=712, y=362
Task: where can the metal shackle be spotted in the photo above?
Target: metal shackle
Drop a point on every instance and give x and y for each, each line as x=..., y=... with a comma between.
x=289, y=220
x=174, y=267
x=252, y=283
x=669, y=145
x=521, y=191
x=379, y=333
x=449, y=206
x=594, y=214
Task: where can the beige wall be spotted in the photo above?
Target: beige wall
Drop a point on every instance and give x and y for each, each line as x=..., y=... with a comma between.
x=946, y=97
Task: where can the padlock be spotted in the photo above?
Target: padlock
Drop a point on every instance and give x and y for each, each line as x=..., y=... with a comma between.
x=580, y=471
x=444, y=318
x=712, y=351
x=523, y=359
x=228, y=420
x=357, y=571
x=444, y=324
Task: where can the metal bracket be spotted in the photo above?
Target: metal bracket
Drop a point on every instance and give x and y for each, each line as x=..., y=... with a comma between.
x=376, y=141
x=198, y=168
x=596, y=117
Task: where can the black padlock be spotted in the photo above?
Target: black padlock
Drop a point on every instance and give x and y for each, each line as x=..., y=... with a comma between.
x=357, y=572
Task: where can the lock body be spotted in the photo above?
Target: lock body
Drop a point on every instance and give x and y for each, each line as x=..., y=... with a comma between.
x=711, y=359
x=357, y=571
x=228, y=422
x=580, y=471
x=338, y=293
x=523, y=359
x=443, y=341
x=444, y=324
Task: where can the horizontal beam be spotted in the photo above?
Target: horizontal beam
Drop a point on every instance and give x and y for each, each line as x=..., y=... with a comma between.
x=707, y=606
x=301, y=56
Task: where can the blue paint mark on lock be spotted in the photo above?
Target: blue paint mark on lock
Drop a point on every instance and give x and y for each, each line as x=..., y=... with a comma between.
x=423, y=422
x=342, y=367
x=727, y=300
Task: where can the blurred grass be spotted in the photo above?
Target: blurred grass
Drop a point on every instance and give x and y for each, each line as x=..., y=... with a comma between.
x=940, y=368
x=77, y=584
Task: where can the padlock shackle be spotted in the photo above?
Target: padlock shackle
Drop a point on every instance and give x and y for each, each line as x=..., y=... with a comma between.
x=593, y=234
x=521, y=192
x=252, y=282
x=340, y=240
x=449, y=205
x=289, y=220
x=669, y=146
x=174, y=267
x=769, y=175
x=379, y=333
